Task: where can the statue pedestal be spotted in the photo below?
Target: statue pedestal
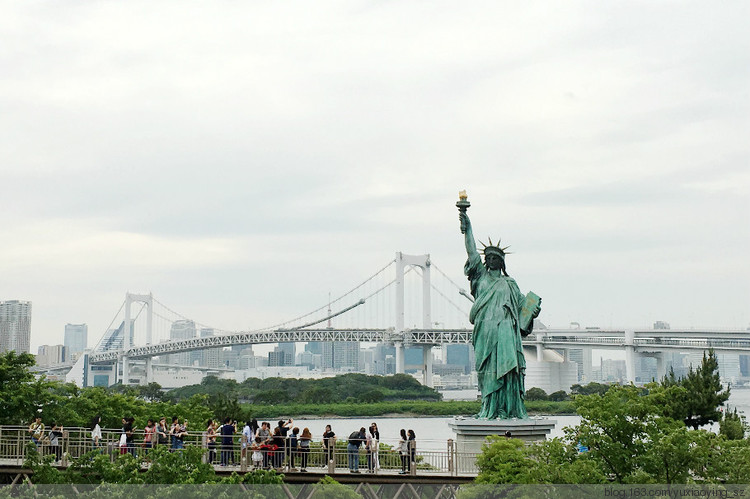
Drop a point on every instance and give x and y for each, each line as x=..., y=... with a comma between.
x=472, y=433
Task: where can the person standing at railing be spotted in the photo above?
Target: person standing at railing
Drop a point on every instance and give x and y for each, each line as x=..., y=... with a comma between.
x=284, y=427
x=162, y=434
x=246, y=439
x=54, y=441
x=329, y=444
x=403, y=450
x=304, y=448
x=368, y=452
x=265, y=441
x=356, y=439
x=293, y=441
x=375, y=447
x=96, y=432
x=257, y=453
x=37, y=431
x=279, y=442
x=129, y=431
x=227, y=432
x=148, y=436
x=412, y=449
x=211, y=441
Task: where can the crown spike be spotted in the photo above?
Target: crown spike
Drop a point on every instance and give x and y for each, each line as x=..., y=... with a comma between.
x=490, y=240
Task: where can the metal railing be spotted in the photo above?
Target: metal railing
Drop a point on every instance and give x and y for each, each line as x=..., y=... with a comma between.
x=238, y=456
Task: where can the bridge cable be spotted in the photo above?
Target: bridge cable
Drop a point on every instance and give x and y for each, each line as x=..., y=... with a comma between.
x=276, y=326
x=446, y=276
x=109, y=327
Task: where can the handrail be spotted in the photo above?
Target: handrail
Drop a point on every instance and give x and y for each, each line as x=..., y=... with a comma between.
x=237, y=456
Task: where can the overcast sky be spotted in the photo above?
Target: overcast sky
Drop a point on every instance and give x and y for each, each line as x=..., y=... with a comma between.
x=242, y=159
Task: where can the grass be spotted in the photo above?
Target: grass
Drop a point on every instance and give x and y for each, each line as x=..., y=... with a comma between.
x=403, y=408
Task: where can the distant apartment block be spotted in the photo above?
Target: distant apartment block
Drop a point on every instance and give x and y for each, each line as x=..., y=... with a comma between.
x=51, y=355
x=15, y=326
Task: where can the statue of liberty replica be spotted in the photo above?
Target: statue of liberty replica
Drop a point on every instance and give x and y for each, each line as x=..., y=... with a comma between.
x=501, y=315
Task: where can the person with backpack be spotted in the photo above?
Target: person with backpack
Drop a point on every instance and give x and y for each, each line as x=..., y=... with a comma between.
x=356, y=439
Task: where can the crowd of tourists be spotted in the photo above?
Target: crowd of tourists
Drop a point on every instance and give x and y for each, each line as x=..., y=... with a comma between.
x=284, y=446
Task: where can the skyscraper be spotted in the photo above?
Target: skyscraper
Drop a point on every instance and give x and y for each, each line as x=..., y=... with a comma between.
x=15, y=326
x=182, y=330
x=76, y=338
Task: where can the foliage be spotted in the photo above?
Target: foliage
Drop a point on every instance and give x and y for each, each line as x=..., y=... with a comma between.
x=558, y=396
x=590, y=389
x=328, y=488
x=706, y=395
x=337, y=389
x=503, y=460
x=184, y=467
x=733, y=426
x=21, y=394
x=629, y=435
x=536, y=394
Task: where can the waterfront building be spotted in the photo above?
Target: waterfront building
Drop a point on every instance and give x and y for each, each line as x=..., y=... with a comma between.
x=15, y=326
x=76, y=339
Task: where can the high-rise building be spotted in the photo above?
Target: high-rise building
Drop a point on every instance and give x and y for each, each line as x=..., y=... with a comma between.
x=290, y=353
x=210, y=357
x=346, y=355
x=76, y=338
x=182, y=330
x=15, y=326
x=277, y=358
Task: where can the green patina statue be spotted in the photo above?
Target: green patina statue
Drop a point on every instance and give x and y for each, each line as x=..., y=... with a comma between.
x=501, y=315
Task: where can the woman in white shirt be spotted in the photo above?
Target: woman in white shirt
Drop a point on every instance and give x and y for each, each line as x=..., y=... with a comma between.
x=403, y=450
x=96, y=432
x=247, y=438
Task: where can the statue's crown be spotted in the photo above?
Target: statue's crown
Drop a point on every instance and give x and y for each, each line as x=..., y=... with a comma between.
x=494, y=248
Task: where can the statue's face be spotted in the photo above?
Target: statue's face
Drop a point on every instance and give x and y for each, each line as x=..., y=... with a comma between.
x=493, y=261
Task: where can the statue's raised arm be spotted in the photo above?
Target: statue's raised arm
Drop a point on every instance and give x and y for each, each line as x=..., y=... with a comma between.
x=471, y=245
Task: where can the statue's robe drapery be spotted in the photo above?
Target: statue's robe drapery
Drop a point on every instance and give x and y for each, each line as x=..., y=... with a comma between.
x=500, y=363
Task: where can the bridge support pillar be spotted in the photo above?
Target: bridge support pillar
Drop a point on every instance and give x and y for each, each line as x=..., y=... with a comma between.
x=399, y=357
x=149, y=370
x=539, y=348
x=661, y=369
x=630, y=356
x=125, y=370
x=427, y=365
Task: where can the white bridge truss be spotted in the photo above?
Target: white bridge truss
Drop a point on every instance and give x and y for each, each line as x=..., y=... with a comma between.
x=648, y=341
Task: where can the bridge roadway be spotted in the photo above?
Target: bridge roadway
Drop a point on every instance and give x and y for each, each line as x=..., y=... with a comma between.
x=658, y=340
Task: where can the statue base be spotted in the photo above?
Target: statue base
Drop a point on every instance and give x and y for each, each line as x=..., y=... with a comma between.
x=472, y=433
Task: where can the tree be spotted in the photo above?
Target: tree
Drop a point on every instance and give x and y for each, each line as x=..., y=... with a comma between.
x=21, y=394
x=558, y=396
x=733, y=426
x=503, y=460
x=589, y=389
x=536, y=394
x=705, y=392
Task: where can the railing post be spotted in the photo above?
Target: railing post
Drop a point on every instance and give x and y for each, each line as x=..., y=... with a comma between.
x=450, y=456
x=64, y=458
x=332, y=461
x=412, y=462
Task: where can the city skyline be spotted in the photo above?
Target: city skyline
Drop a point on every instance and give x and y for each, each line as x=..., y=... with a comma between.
x=245, y=170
